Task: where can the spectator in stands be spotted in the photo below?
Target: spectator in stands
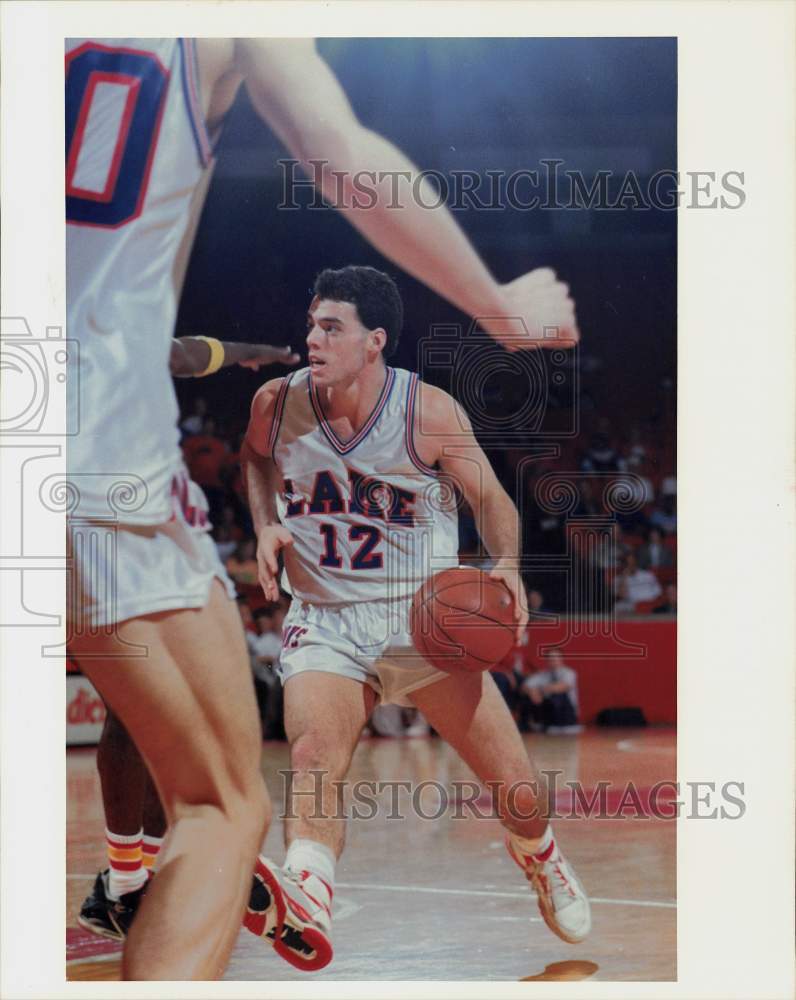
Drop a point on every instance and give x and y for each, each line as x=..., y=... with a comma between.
x=246, y=616
x=242, y=564
x=225, y=543
x=636, y=451
x=654, y=554
x=229, y=521
x=551, y=696
x=264, y=646
x=601, y=456
x=192, y=424
x=664, y=516
x=669, y=605
x=633, y=585
x=206, y=456
x=536, y=604
x=614, y=549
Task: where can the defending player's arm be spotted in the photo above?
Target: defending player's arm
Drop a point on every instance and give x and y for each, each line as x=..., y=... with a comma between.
x=444, y=434
x=262, y=481
x=193, y=357
x=359, y=172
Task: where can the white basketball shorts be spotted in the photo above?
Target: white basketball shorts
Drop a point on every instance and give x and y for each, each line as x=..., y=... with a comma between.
x=123, y=571
x=367, y=641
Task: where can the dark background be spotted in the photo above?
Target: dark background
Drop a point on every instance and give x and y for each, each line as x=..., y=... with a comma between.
x=472, y=104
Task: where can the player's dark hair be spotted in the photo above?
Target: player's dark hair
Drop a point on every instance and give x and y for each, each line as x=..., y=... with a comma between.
x=373, y=292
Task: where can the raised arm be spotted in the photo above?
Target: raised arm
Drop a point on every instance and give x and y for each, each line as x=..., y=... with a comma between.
x=191, y=357
x=297, y=94
x=444, y=435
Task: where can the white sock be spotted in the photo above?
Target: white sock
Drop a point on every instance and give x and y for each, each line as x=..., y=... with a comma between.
x=314, y=857
x=533, y=845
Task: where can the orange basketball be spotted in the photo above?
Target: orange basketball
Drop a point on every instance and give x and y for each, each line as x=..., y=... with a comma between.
x=462, y=620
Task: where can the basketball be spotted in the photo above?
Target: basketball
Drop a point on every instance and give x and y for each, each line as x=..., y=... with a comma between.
x=461, y=620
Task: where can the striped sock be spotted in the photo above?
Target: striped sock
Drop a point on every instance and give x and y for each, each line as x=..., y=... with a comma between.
x=126, y=868
x=151, y=849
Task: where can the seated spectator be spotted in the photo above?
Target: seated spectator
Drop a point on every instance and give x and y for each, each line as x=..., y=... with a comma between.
x=505, y=680
x=602, y=456
x=264, y=647
x=537, y=608
x=664, y=516
x=636, y=450
x=192, y=424
x=549, y=696
x=654, y=553
x=228, y=520
x=612, y=551
x=633, y=585
x=242, y=564
x=669, y=605
x=206, y=456
x=265, y=642
x=246, y=616
x=225, y=543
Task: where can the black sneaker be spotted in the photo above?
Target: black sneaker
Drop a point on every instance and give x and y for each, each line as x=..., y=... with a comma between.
x=106, y=917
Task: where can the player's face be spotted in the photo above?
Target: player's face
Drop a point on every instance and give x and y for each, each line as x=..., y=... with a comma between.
x=338, y=345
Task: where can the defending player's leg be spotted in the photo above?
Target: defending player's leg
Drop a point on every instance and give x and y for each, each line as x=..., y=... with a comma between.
x=117, y=892
x=190, y=708
x=324, y=717
x=469, y=713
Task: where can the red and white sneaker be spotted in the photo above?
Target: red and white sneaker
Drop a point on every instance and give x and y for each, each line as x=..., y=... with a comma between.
x=287, y=909
x=563, y=902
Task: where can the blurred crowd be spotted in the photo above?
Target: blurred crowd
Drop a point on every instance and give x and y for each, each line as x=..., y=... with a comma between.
x=617, y=527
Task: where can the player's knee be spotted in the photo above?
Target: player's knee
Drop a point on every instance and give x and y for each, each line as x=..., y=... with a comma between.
x=317, y=751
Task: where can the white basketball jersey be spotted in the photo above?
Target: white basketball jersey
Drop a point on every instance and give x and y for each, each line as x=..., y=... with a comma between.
x=369, y=520
x=136, y=155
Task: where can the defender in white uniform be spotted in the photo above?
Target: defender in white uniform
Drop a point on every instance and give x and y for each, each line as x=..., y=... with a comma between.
x=137, y=168
x=345, y=463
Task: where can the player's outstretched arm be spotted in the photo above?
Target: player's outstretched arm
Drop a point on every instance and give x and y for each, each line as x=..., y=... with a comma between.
x=444, y=434
x=195, y=356
x=366, y=177
x=262, y=481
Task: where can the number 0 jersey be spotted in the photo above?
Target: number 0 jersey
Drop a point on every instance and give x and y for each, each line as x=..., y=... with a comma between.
x=137, y=153
x=369, y=520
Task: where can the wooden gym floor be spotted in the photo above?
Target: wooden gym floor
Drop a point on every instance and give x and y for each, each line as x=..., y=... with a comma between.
x=440, y=899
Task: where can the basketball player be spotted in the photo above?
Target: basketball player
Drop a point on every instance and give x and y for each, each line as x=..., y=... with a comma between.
x=343, y=461
x=141, y=119
x=135, y=823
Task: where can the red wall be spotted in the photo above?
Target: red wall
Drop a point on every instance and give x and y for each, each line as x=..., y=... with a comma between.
x=635, y=664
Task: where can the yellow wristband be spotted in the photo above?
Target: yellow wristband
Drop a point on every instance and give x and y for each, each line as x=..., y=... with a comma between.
x=216, y=356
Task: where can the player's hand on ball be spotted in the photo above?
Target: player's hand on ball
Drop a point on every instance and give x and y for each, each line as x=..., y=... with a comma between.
x=265, y=354
x=537, y=312
x=510, y=576
x=269, y=543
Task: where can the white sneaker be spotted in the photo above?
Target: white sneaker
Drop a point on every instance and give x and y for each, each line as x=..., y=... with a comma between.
x=287, y=909
x=563, y=902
